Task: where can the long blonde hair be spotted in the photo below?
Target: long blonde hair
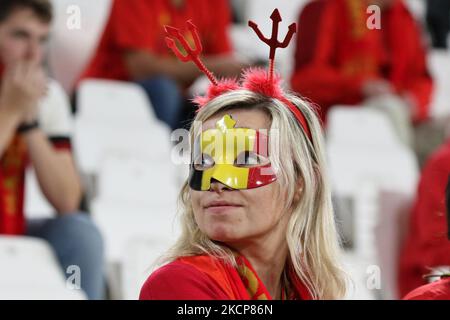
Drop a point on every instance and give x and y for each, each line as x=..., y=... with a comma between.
x=311, y=235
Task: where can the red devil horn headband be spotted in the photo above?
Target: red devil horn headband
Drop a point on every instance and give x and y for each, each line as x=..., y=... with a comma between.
x=255, y=80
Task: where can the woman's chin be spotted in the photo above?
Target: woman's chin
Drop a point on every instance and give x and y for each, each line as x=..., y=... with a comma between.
x=222, y=234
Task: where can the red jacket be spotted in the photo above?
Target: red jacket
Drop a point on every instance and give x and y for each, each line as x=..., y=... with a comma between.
x=336, y=53
x=427, y=244
x=438, y=290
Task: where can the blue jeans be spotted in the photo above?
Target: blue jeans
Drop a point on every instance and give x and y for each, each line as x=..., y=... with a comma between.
x=76, y=241
x=166, y=97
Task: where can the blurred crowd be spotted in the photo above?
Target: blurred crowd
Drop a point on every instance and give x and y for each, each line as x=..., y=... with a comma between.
x=340, y=59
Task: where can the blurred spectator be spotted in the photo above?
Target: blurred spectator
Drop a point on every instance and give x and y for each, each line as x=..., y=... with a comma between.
x=427, y=245
x=440, y=289
x=437, y=290
x=339, y=60
x=32, y=131
x=133, y=48
x=438, y=21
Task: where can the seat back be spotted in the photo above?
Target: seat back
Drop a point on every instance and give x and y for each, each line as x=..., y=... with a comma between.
x=116, y=118
x=70, y=49
x=29, y=270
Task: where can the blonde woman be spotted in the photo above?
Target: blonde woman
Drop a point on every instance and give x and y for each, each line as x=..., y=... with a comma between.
x=246, y=239
x=257, y=220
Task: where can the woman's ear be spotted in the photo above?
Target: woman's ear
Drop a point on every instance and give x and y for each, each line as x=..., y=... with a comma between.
x=298, y=191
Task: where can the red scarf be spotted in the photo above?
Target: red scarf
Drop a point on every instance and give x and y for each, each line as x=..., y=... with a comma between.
x=242, y=283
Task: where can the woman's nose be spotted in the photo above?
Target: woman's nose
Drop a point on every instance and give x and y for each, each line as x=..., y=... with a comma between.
x=218, y=186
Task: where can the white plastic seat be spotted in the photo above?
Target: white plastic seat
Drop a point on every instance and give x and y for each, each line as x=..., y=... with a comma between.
x=390, y=169
x=439, y=64
x=121, y=224
x=94, y=143
x=138, y=181
x=36, y=205
x=114, y=102
x=116, y=118
x=29, y=270
x=136, y=200
x=119, y=141
x=359, y=127
x=357, y=269
x=362, y=146
x=390, y=231
x=71, y=49
x=366, y=159
x=141, y=258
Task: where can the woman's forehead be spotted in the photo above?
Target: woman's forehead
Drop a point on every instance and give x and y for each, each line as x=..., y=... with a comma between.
x=253, y=119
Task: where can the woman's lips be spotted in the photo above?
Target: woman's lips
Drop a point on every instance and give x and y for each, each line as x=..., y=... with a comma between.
x=221, y=206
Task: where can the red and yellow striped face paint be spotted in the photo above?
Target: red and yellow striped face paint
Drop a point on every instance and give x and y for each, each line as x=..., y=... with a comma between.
x=236, y=157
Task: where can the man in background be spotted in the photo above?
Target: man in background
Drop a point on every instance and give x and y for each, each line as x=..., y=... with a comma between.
x=35, y=131
x=440, y=289
x=133, y=48
x=340, y=61
x=427, y=245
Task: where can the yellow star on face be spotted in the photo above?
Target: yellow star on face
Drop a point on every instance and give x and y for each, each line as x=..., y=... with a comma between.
x=223, y=153
x=223, y=144
x=225, y=123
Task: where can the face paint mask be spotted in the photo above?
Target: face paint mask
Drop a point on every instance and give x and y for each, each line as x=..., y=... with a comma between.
x=236, y=157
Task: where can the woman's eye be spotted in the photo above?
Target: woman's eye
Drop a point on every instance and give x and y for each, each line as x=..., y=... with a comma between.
x=203, y=162
x=250, y=159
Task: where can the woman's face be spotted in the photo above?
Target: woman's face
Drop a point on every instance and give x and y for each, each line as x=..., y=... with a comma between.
x=230, y=215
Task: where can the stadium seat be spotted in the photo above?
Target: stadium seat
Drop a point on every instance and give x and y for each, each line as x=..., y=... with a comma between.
x=362, y=146
x=358, y=270
x=36, y=205
x=439, y=64
x=137, y=181
x=116, y=102
x=142, y=256
x=366, y=160
x=136, y=200
x=116, y=118
x=29, y=270
x=390, y=231
x=70, y=49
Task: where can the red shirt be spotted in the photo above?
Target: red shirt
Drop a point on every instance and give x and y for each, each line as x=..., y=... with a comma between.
x=179, y=281
x=13, y=164
x=427, y=245
x=438, y=290
x=336, y=53
x=12, y=181
x=139, y=25
x=207, y=278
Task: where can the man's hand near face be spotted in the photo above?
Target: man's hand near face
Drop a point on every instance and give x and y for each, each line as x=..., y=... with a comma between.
x=23, y=84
